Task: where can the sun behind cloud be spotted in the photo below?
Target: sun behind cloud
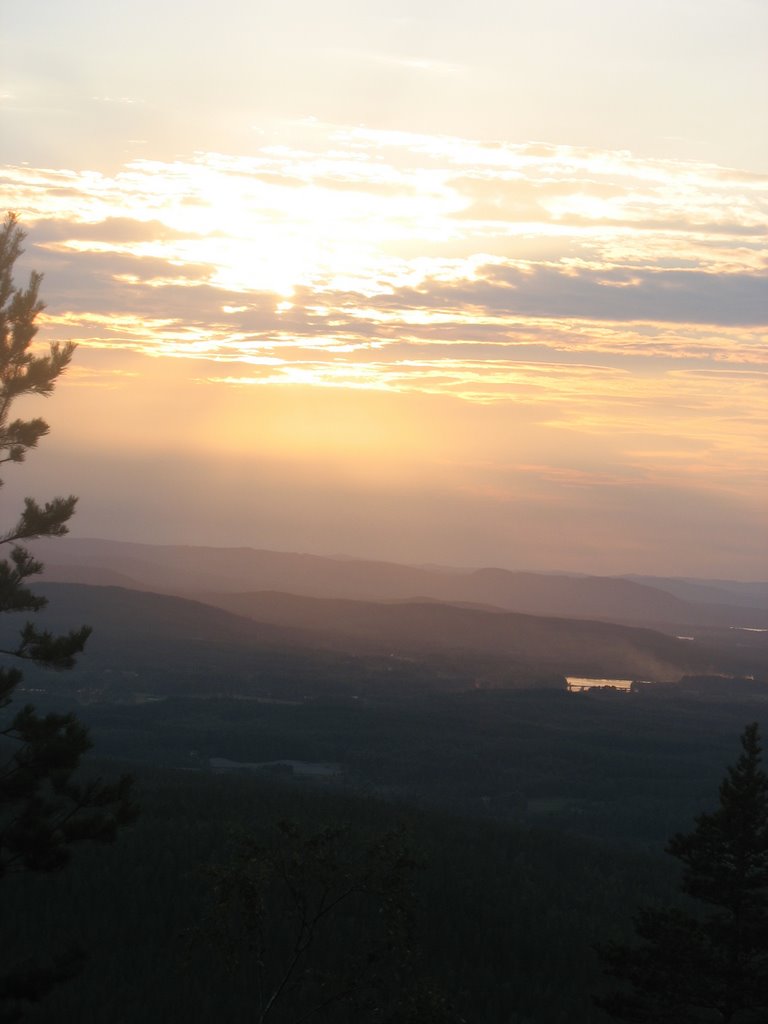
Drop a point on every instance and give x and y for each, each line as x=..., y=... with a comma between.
x=610, y=309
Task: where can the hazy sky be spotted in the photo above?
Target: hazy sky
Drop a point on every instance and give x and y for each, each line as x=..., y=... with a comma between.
x=460, y=283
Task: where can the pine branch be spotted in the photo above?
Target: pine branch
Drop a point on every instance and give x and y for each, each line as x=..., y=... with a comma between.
x=47, y=520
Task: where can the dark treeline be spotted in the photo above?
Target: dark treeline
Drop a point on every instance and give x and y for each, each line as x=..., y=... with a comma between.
x=606, y=764
x=505, y=918
x=538, y=820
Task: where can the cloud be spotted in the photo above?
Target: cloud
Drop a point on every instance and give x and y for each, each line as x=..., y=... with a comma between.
x=353, y=260
x=117, y=230
x=611, y=294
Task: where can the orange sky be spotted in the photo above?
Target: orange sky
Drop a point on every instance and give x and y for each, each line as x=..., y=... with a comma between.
x=419, y=330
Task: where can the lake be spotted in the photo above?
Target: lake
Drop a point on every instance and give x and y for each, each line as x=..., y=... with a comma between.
x=577, y=683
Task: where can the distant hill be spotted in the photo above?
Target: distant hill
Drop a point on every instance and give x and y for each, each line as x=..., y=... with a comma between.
x=290, y=647
x=428, y=628
x=93, y=575
x=133, y=629
x=159, y=644
x=745, y=594
x=187, y=570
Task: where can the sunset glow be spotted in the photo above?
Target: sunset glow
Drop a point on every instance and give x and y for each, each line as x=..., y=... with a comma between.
x=498, y=318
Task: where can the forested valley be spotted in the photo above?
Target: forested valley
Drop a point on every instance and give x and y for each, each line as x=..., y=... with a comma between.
x=536, y=822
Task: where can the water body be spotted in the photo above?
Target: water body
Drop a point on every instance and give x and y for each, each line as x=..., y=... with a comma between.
x=578, y=683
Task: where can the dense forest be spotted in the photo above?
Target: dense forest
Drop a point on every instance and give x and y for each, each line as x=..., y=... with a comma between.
x=535, y=821
x=505, y=917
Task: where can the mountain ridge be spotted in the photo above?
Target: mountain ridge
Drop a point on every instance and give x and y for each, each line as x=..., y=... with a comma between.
x=282, y=644
x=187, y=570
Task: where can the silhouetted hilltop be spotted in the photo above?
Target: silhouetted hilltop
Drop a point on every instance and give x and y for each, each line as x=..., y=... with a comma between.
x=421, y=628
x=598, y=597
x=137, y=627
x=187, y=570
x=745, y=594
x=284, y=645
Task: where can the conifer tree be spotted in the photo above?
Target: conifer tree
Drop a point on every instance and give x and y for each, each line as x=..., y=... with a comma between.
x=318, y=921
x=44, y=809
x=709, y=962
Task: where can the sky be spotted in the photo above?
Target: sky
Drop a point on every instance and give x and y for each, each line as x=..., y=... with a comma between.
x=459, y=284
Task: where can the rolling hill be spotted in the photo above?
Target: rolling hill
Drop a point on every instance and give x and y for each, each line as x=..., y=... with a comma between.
x=186, y=571
x=286, y=646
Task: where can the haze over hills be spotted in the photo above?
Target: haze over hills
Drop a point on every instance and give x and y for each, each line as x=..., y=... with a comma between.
x=188, y=571
x=746, y=594
x=423, y=628
x=287, y=646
